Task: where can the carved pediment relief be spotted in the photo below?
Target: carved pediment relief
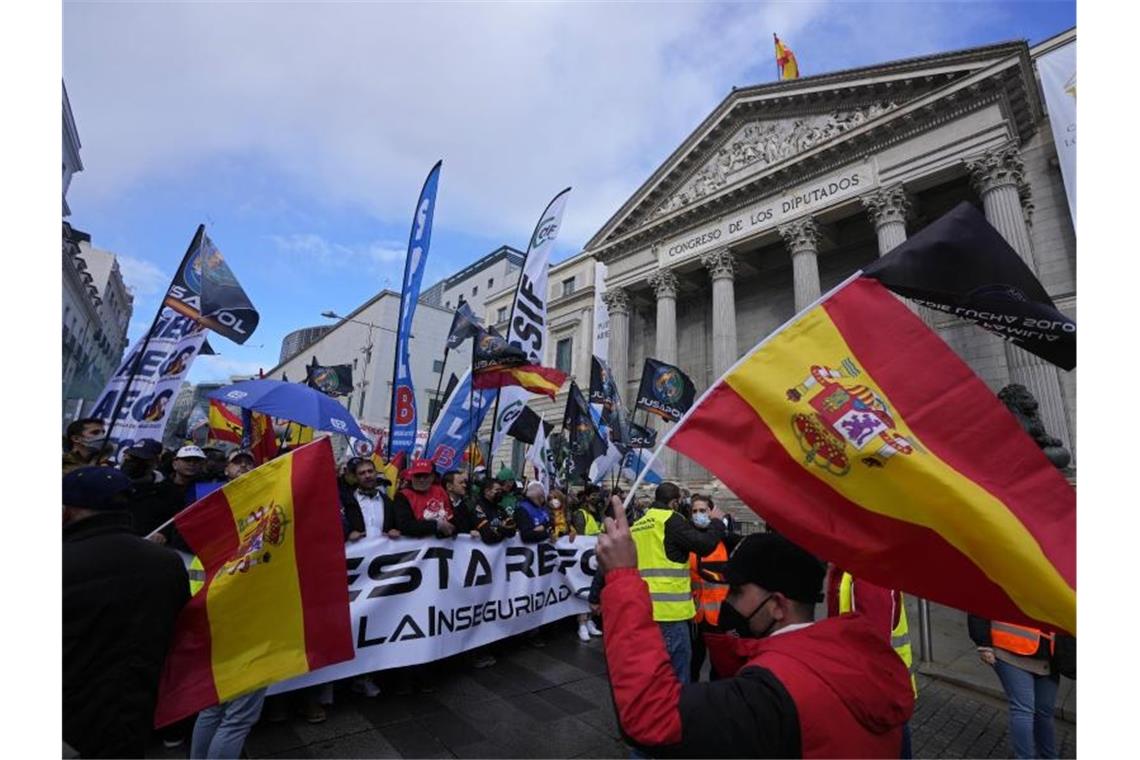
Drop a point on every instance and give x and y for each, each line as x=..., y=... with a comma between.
x=759, y=144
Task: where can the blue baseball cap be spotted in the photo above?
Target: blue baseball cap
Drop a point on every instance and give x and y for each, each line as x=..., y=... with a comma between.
x=97, y=488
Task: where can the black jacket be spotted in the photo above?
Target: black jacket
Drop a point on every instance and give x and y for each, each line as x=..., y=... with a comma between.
x=492, y=521
x=152, y=504
x=682, y=538
x=407, y=523
x=352, y=517
x=121, y=595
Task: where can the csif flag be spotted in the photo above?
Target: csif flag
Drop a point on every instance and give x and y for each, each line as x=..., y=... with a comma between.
x=334, y=380
x=960, y=265
x=526, y=426
x=274, y=603
x=527, y=327
x=402, y=415
x=206, y=290
x=664, y=390
x=583, y=438
x=858, y=433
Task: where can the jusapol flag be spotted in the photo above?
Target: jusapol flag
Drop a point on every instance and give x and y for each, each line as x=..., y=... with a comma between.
x=856, y=432
x=274, y=604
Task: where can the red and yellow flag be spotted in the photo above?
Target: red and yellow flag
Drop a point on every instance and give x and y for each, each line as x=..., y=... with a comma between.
x=275, y=601
x=786, y=60
x=535, y=378
x=225, y=424
x=856, y=432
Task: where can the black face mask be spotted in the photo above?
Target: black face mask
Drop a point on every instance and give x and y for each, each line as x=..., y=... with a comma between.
x=731, y=621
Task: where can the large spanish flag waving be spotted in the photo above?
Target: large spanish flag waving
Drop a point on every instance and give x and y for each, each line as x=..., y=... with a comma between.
x=275, y=601
x=856, y=432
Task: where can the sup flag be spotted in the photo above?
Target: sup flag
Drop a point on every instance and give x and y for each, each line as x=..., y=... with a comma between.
x=464, y=325
x=335, y=380
x=206, y=290
x=856, y=432
x=582, y=436
x=274, y=604
x=665, y=390
x=961, y=265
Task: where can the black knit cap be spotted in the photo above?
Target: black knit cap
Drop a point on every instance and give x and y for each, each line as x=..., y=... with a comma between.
x=776, y=564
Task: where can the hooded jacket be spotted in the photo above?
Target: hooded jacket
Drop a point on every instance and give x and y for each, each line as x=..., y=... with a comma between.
x=832, y=689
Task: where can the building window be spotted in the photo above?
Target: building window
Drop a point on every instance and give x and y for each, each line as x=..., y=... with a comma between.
x=475, y=290
x=447, y=305
x=490, y=282
x=437, y=365
x=568, y=286
x=502, y=317
x=562, y=354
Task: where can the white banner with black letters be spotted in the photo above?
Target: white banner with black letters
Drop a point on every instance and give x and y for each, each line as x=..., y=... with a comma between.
x=417, y=600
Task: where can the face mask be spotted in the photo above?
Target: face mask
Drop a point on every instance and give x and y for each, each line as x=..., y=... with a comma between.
x=91, y=441
x=702, y=519
x=731, y=621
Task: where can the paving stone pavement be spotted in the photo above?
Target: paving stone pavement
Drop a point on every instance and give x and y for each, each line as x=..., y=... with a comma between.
x=555, y=702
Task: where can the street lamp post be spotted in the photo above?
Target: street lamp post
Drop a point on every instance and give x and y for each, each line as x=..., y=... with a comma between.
x=366, y=350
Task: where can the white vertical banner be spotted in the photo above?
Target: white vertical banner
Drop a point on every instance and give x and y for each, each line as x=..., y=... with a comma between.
x=527, y=328
x=1058, y=70
x=601, y=314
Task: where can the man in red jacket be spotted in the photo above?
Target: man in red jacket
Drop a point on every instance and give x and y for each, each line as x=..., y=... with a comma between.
x=802, y=688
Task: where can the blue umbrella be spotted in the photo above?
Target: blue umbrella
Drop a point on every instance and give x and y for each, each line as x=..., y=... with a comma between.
x=290, y=401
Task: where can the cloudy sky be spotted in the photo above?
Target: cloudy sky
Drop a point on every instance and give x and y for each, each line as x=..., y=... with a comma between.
x=300, y=133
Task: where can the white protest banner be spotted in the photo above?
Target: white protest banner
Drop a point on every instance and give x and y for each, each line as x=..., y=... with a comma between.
x=418, y=600
x=174, y=343
x=1058, y=70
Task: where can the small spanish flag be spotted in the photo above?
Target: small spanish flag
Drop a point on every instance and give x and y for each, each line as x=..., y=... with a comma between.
x=786, y=60
x=274, y=604
x=860, y=435
x=225, y=424
x=536, y=379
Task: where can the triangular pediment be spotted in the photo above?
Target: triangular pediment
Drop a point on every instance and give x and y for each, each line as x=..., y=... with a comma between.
x=759, y=129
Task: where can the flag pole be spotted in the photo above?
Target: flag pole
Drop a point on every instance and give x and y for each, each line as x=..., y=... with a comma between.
x=438, y=385
x=195, y=242
x=779, y=72
x=696, y=404
x=470, y=420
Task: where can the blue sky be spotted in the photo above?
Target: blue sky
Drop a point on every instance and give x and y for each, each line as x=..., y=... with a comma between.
x=300, y=133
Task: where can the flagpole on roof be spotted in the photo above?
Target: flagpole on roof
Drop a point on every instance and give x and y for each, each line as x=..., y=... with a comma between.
x=696, y=404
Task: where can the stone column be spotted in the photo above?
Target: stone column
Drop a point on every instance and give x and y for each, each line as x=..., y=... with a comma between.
x=617, y=301
x=999, y=178
x=664, y=284
x=888, y=210
x=802, y=239
x=721, y=265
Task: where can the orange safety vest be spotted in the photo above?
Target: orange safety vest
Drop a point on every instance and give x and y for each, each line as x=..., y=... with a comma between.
x=1018, y=639
x=709, y=586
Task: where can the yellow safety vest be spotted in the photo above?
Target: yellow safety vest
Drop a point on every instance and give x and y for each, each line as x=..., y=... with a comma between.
x=592, y=527
x=900, y=636
x=197, y=573
x=669, y=587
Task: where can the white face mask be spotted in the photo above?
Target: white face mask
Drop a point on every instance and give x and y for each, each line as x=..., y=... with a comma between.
x=702, y=519
x=556, y=504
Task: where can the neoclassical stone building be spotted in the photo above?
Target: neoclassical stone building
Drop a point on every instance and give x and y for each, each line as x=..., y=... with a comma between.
x=787, y=188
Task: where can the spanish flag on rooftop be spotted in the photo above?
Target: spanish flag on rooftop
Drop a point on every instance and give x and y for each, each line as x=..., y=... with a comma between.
x=785, y=60
x=859, y=434
x=275, y=602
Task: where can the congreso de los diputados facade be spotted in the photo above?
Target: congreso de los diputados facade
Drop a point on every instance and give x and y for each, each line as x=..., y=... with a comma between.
x=785, y=189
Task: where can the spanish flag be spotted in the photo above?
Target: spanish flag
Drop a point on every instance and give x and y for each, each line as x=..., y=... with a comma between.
x=275, y=603
x=856, y=432
x=786, y=60
x=225, y=424
x=535, y=378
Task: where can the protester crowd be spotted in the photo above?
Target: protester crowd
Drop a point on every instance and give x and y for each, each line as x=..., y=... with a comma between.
x=711, y=637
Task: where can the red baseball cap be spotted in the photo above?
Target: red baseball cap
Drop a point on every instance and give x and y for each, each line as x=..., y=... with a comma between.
x=419, y=467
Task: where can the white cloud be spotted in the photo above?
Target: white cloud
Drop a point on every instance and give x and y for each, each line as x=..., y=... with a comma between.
x=219, y=368
x=314, y=248
x=355, y=101
x=142, y=277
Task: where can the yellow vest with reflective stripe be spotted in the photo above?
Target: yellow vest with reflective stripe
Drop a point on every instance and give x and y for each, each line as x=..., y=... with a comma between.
x=900, y=636
x=197, y=575
x=669, y=587
x=592, y=528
